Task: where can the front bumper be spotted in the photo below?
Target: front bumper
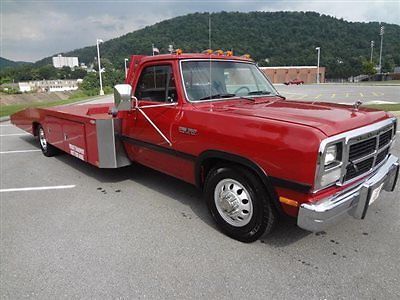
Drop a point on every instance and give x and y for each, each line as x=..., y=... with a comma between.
x=354, y=201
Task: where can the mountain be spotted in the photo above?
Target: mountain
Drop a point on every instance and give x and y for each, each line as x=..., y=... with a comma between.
x=281, y=38
x=4, y=63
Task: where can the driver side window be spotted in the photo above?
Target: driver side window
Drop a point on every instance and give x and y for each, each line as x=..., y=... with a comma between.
x=156, y=83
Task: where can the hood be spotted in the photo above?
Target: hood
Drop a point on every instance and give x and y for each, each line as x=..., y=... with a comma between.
x=330, y=118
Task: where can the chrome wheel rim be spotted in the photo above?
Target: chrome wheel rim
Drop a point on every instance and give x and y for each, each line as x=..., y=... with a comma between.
x=42, y=139
x=233, y=202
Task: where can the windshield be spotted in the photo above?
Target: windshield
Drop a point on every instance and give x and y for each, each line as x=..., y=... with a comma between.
x=205, y=80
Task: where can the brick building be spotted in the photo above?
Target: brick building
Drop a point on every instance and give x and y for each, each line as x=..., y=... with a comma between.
x=284, y=74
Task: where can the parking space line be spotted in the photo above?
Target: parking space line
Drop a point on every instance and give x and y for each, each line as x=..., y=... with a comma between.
x=361, y=94
x=6, y=125
x=20, y=151
x=39, y=188
x=333, y=96
x=347, y=95
x=14, y=134
x=316, y=97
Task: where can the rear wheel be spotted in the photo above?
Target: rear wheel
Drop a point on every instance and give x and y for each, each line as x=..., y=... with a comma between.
x=239, y=203
x=47, y=149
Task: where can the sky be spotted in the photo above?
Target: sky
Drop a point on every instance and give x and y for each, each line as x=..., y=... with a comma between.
x=31, y=30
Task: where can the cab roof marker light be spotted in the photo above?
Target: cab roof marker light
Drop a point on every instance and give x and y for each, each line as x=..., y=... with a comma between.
x=178, y=51
x=229, y=53
x=208, y=51
x=219, y=52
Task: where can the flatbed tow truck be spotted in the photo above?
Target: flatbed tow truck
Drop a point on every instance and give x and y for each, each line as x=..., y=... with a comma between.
x=214, y=120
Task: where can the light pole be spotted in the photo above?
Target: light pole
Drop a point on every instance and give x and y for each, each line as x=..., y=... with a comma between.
x=372, y=49
x=319, y=54
x=98, y=41
x=380, y=54
x=126, y=69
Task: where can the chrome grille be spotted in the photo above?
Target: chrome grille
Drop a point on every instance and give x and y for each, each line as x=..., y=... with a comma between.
x=362, y=148
x=381, y=156
x=385, y=138
x=367, y=151
x=354, y=170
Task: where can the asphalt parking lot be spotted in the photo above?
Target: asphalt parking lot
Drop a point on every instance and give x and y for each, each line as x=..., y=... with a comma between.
x=71, y=230
x=342, y=93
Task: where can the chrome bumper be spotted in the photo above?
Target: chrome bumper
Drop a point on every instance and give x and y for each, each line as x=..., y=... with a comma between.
x=354, y=201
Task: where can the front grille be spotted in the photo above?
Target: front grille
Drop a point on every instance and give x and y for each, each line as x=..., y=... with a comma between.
x=385, y=138
x=362, y=148
x=354, y=170
x=381, y=156
x=367, y=151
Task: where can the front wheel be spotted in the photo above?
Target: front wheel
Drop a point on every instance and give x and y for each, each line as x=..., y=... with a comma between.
x=239, y=203
x=47, y=149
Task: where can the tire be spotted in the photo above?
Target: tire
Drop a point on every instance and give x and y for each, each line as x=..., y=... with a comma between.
x=47, y=149
x=242, y=215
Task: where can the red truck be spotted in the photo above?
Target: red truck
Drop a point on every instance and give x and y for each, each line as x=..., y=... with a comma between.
x=294, y=81
x=216, y=121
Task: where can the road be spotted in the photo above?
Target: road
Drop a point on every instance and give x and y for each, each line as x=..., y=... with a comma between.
x=71, y=230
x=341, y=93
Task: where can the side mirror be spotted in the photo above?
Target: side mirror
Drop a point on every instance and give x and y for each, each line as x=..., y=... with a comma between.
x=123, y=96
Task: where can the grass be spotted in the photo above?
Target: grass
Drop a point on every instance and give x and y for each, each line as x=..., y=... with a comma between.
x=385, y=107
x=386, y=82
x=7, y=110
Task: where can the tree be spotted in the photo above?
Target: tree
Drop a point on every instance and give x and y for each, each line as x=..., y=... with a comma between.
x=47, y=72
x=90, y=82
x=368, y=68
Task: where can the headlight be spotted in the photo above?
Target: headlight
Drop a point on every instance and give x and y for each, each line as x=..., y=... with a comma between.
x=331, y=154
x=329, y=169
x=330, y=177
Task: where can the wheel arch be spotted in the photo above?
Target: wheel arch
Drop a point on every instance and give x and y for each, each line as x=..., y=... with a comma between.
x=208, y=159
x=35, y=127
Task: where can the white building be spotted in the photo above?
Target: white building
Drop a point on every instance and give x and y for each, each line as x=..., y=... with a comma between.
x=54, y=85
x=24, y=87
x=63, y=61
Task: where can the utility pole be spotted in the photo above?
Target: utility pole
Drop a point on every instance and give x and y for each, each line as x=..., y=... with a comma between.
x=98, y=41
x=372, y=49
x=380, y=54
x=319, y=54
x=126, y=69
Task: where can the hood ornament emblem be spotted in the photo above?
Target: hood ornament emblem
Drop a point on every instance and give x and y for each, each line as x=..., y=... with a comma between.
x=356, y=105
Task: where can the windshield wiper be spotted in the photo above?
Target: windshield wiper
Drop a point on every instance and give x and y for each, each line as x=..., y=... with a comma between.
x=259, y=93
x=216, y=96
x=247, y=98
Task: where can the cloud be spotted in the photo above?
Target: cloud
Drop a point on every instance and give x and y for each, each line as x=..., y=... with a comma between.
x=356, y=11
x=33, y=30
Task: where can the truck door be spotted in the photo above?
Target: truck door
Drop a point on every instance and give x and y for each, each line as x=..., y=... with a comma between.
x=154, y=128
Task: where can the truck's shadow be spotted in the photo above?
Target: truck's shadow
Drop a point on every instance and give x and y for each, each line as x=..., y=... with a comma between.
x=285, y=233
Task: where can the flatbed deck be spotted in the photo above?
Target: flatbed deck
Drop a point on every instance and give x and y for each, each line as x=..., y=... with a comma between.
x=85, y=131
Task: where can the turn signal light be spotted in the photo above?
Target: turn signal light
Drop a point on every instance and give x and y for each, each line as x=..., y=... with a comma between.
x=289, y=201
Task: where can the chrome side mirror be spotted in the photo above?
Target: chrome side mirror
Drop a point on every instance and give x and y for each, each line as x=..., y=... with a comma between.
x=123, y=97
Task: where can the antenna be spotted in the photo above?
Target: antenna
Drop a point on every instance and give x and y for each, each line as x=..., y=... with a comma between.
x=209, y=47
x=209, y=31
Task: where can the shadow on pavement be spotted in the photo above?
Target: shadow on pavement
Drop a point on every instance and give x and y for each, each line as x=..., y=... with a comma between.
x=285, y=233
